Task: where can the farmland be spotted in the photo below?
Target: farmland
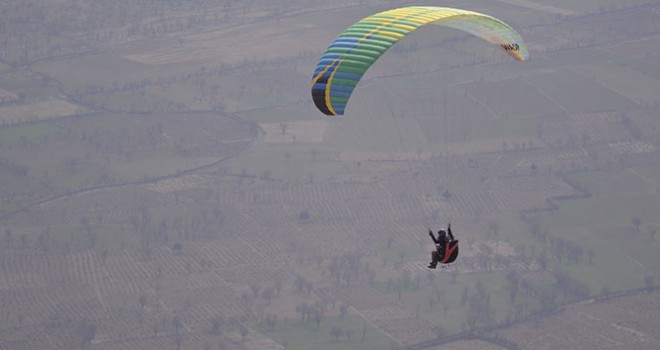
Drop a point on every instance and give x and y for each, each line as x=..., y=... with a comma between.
x=166, y=182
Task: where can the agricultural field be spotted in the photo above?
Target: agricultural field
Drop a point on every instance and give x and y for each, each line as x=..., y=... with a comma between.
x=63, y=155
x=602, y=323
x=39, y=110
x=166, y=181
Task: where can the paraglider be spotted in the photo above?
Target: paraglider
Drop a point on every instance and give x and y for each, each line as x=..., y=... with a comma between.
x=357, y=48
x=351, y=54
x=446, y=246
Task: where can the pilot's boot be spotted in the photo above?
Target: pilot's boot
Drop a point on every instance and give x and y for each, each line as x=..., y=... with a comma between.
x=434, y=260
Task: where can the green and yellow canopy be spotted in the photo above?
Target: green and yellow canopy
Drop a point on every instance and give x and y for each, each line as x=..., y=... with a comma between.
x=350, y=55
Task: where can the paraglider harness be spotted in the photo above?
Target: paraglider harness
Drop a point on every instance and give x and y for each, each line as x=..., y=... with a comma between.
x=446, y=248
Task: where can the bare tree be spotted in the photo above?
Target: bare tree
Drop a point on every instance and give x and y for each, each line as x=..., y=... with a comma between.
x=299, y=282
x=255, y=287
x=513, y=278
x=605, y=290
x=336, y=332
x=343, y=308
x=494, y=228
x=247, y=300
x=309, y=285
x=636, y=221
x=86, y=331
x=217, y=324
x=440, y=332
x=303, y=309
x=542, y=260
x=142, y=299
x=547, y=299
x=244, y=332
x=318, y=316
x=8, y=237
x=177, y=323
x=278, y=286
x=591, y=253
x=268, y=294
x=649, y=282
x=270, y=321
x=348, y=332
x=464, y=295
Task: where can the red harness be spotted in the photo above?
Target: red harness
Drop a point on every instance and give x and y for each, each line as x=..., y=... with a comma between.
x=451, y=252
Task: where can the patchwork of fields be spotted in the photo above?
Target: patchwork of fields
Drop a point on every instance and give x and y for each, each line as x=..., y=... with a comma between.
x=166, y=182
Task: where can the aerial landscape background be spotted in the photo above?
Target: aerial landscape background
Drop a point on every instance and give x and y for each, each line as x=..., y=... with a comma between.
x=166, y=181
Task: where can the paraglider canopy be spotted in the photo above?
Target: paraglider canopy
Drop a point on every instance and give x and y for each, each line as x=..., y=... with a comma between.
x=350, y=55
